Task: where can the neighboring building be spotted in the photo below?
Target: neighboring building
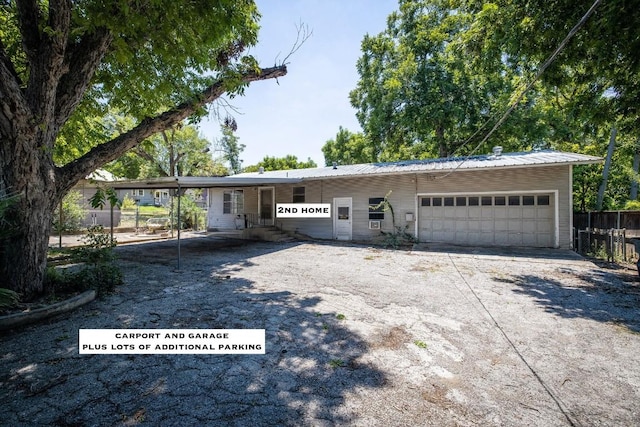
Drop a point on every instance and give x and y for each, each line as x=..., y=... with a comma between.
x=511, y=199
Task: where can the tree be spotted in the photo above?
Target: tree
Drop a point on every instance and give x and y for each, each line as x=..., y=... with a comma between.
x=230, y=148
x=179, y=151
x=160, y=62
x=419, y=95
x=281, y=163
x=348, y=149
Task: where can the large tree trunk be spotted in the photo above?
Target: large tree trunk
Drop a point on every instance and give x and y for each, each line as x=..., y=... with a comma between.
x=27, y=169
x=23, y=256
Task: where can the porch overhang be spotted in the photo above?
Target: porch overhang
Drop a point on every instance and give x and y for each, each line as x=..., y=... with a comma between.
x=183, y=182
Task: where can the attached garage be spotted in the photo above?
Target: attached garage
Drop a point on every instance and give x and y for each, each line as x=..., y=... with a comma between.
x=489, y=219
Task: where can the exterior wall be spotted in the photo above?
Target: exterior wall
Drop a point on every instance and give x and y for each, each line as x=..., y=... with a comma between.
x=541, y=178
x=360, y=189
x=402, y=190
x=216, y=218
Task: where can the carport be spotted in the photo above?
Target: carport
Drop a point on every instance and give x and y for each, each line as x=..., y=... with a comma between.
x=178, y=185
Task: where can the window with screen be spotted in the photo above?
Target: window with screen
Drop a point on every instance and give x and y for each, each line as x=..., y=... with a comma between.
x=233, y=202
x=376, y=209
x=298, y=195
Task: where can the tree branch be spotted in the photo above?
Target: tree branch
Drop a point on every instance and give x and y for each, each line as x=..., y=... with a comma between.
x=82, y=60
x=28, y=16
x=72, y=172
x=13, y=104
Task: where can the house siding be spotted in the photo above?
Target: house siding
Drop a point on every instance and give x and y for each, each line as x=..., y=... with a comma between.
x=404, y=188
x=216, y=218
x=402, y=191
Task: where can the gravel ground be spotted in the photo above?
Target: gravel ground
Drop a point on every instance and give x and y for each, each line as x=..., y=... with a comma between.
x=355, y=335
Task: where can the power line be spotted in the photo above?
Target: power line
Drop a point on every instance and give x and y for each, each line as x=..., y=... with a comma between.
x=515, y=103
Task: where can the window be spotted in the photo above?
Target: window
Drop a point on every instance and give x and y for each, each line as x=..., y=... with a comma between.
x=500, y=201
x=543, y=200
x=448, y=201
x=461, y=201
x=474, y=201
x=514, y=200
x=233, y=202
x=437, y=201
x=137, y=193
x=376, y=210
x=528, y=200
x=426, y=201
x=298, y=195
x=487, y=200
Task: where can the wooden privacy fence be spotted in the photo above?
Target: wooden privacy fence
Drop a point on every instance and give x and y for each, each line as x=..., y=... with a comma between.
x=611, y=235
x=606, y=220
x=612, y=245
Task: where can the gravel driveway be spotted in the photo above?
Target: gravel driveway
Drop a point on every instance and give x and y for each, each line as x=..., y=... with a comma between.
x=355, y=335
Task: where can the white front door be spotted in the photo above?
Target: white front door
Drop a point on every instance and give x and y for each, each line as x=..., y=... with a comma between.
x=266, y=205
x=342, y=218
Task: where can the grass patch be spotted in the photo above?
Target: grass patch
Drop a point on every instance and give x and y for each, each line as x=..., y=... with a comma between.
x=336, y=363
x=341, y=316
x=420, y=344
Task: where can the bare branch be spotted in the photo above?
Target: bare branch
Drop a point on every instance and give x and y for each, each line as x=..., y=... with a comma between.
x=303, y=33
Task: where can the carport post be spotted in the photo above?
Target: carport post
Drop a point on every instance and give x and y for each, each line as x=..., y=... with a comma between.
x=178, y=226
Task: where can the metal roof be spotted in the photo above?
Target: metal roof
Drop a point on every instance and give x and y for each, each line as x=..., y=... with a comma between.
x=199, y=182
x=506, y=160
x=444, y=165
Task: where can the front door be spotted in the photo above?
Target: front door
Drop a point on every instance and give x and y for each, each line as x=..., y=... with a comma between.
x=266, y=205
x=342, y=218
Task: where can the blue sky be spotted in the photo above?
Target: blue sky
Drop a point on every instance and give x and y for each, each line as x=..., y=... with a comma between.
x=300, y=112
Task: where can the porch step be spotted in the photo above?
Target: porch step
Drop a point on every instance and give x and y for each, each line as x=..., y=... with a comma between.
x=268, y=234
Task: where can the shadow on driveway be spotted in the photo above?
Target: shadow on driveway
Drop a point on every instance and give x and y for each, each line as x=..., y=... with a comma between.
x=598, y=295
x=311, y=364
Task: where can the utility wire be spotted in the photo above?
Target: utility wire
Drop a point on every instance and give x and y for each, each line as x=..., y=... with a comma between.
x=515, y=103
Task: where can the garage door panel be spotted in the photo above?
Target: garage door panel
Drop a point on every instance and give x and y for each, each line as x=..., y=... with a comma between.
x=499, y=220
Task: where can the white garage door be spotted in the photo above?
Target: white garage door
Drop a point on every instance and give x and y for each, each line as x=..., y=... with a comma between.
x=490, y=220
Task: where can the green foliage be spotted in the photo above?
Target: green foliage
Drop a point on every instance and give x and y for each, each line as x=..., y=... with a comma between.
x=8, y=298
x=102, y=277
x=287, y=162
x=231, y=149
x=128, y=203
x=348, y=149
x=102, y=196
x=400, y=235
x=100, y=271
x=73, y=214
x=97, y=249
x=420, y=344
x=180, y=151
x=190, y=213
x=632, y=205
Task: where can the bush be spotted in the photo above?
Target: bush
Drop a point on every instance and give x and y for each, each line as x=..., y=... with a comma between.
x=8, y=298
x=189, y=214
x=100, y=272
x=73, y=214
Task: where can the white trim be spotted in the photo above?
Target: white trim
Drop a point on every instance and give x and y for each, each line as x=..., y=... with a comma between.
x=337, y=200
x=477, y=193
x=555, y=193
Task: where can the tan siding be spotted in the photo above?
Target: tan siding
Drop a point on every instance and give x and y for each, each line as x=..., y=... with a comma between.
x=520, y=179
x=403, y=196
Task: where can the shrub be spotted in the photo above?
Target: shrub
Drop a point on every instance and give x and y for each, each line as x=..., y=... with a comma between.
x=100, y=272
x=8, y=298
x=72, y=213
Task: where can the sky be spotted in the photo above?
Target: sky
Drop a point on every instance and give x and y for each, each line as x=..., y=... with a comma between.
x=299, y=112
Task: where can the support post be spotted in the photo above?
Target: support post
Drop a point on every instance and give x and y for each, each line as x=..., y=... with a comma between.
x=179, y=226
